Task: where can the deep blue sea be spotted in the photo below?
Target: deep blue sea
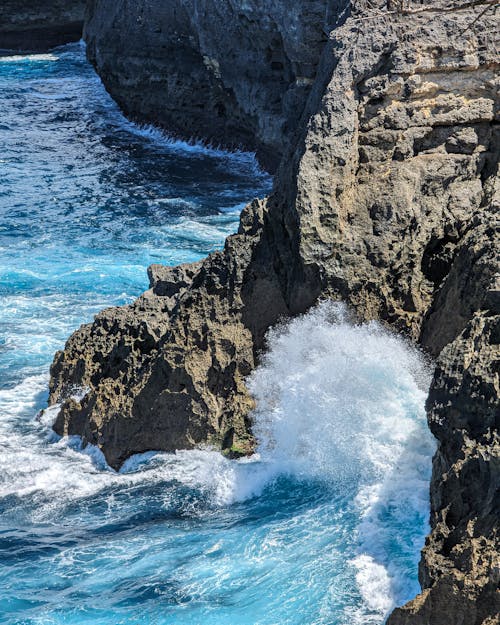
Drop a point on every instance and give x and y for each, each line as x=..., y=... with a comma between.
x=323, y=526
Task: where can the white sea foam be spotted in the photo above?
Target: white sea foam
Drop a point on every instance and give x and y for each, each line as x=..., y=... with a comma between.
x=346, y=401
x=236, y=209
x=190, y=146
x=36, y=463
x=335, y=401
x=193, y=230
x=33, y=58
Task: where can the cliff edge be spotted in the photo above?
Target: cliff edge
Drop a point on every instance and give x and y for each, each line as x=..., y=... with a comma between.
x=387, y=197
x=236, y=73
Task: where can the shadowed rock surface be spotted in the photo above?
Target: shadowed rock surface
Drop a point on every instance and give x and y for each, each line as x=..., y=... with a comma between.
x=235, y=72
x=387, y=198
x=30, y=25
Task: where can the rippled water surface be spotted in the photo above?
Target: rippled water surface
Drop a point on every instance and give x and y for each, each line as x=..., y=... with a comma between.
x=323, y=526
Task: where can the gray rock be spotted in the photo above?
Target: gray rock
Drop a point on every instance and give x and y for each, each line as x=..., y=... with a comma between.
x=234, y=72
x=386, y=198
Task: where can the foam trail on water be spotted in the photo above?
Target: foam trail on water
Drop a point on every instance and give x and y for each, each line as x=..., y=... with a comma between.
x=19, y=58
x=194, y=146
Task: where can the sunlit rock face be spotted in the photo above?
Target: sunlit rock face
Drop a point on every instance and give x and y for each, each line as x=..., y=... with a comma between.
x=29, y=25
x=387, y=198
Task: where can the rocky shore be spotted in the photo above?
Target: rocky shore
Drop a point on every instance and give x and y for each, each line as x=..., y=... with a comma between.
x=28, y=25
x=386, y=197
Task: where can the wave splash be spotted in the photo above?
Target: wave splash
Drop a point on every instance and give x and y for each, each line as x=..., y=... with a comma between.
x=337, y=403
x=345, y=403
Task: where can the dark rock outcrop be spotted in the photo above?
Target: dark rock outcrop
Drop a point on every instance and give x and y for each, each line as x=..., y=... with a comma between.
x=459, y=570
x=30, y=25
x=231, y=71
x=388, y=199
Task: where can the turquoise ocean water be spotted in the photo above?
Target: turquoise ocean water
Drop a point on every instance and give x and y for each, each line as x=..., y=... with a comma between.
x=323, y=526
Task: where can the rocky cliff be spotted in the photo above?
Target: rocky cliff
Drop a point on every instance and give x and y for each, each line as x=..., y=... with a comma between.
x=387, y=197
x=235, y=72
x=36, y=26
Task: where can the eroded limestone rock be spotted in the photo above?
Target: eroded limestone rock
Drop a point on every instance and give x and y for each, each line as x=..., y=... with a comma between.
x=387, y=200
x=235, y=72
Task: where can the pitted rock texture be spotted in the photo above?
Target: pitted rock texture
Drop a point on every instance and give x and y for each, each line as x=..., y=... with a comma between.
x=459, y=571
x=30, y=25
x=387, y=198
x=178, y=351
x=234, y=72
